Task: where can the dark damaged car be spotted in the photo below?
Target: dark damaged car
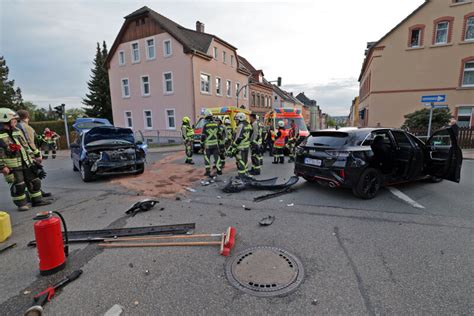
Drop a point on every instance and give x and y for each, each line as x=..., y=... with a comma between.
x=103, y=150
x=366, y=159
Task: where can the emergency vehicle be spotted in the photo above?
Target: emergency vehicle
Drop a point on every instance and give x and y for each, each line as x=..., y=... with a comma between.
x=224, y=112
x=286, y=115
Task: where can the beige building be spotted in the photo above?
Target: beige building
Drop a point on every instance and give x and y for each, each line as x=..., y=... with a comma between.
x=353, y=119
x=430, y=52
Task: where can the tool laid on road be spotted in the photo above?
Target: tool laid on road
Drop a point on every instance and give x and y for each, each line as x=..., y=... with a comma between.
x=141, y=206
x=39, y=300
x=226, y=243
x=2, y=249
x=52, y=249
x=99, y=235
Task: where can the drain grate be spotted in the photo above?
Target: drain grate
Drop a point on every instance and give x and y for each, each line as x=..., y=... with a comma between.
x=265, y=271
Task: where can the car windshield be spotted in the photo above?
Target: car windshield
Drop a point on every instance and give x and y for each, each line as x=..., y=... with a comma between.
x=200, y=123
x=299, y=123
x=328, y=139
x=100, y=136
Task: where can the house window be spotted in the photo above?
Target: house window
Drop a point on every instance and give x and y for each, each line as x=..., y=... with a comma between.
x=415, y=38
x=229, y=88
x=469, y=36
x=135, y=53
x=121, y=58
x=224, y=57
x=258, y=100
x=468, y=74
x=125, y=88
x=237, y=88
x=245, y=92
x=442, y=33
x=218, y=86
x=170, y=119
x=464, y=116
x=145, y=85
x=215, y=53
x=168, y=83
x=128, y=119
x=253, y=99
x=148, y=119
x=150, y=49
x=167, y=50
x=205, y=83
x=232, y=60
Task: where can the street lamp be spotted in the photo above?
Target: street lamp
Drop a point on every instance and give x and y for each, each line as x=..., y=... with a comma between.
x=278, y=81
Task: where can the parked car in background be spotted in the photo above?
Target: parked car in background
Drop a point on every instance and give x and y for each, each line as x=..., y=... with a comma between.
x=367, y=159
x=100, y=149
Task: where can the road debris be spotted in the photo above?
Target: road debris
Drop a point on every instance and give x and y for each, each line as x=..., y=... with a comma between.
x=130, y=265
x=291, y=204
x=314, y=302
x=147, y=272
x=141, y=206
x=204, y=183
x=115, y=310
x=272, y=195
x=190, y=190
x=178, y=198
x=101, y=234
x=238, y=185
x=267, y=221
x=135, y=303
x=26, y=292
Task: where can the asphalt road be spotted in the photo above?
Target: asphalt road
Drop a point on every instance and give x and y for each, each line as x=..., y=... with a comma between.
x=384, y=256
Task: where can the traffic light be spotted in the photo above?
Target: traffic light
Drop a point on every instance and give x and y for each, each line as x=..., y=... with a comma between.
x=60, y=110
x=279, y=81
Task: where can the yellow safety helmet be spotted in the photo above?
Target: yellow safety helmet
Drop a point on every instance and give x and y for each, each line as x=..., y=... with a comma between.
x=186, y=120
x=6, y=115
x=207, y=113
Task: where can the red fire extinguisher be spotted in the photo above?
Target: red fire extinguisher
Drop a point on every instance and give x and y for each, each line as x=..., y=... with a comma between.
x=52, y=250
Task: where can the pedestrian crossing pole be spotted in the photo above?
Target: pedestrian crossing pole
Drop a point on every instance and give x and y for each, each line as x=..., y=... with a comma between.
x=66, y=130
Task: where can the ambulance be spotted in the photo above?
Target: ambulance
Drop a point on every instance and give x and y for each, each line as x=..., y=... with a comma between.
x=287, y=116
x=224, y=112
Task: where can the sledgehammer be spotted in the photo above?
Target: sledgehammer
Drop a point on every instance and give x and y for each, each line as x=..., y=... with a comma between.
x=226, y=243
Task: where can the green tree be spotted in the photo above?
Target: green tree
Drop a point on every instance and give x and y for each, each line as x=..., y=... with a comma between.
x=98, y=102
x=419, y=120
x=9, y=96
x=330, y=122
x=74, y=113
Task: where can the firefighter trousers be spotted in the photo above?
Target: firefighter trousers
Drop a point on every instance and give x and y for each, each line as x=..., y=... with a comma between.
x=20, y=180
x=212, y=152
x=188, y=148
x=222, y=150
x=50, y=146
x=241, y=159
x=256, y=157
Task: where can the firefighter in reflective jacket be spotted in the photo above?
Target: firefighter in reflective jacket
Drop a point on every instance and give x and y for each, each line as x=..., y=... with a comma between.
x=188, y=137
x=210, y=143
x=50, y=139
x=293, y=138
x=279, y=144
x=17, y=163
x=241, y=144
x=255, y=145
x=222, y=135
x=230, y=134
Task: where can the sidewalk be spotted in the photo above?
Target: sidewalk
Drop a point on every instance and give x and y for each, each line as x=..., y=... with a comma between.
x=468, y=154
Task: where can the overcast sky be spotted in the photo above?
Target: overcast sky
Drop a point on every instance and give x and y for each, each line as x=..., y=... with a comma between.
x=315, y=46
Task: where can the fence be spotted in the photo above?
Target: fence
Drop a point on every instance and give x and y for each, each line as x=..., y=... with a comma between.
x=465, y=137
x=162, y=137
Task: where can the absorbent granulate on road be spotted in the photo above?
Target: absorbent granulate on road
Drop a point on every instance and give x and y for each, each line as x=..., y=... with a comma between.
x=165, y=178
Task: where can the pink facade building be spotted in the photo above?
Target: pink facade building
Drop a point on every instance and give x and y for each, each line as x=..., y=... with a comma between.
x=160, y=72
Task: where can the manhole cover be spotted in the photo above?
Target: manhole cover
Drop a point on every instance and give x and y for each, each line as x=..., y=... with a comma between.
x=265, y=271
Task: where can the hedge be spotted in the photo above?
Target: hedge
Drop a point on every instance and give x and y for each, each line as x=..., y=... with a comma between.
x=57, y=126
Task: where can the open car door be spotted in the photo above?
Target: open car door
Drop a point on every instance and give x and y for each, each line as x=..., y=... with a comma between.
x=140, y=141
x=444, y=155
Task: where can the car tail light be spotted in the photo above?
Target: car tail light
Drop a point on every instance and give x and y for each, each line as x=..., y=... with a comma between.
x=341, y=173
x=338, y=153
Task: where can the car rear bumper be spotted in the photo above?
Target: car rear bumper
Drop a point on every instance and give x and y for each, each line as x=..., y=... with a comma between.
x=328, y=176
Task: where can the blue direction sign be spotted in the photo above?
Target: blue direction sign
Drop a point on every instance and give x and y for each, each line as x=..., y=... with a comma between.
x=433, y=98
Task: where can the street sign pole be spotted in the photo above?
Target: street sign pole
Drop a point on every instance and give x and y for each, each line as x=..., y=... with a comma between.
x=431, y=118
x=66, y=130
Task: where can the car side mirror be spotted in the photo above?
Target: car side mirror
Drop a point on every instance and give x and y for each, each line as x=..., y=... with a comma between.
x=139, y=142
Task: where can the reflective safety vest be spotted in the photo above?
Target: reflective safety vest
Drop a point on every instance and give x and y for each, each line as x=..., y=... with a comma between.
x=222, y=135
x=230, y=133
x=279, y=141
x=210, y=137
x=243, y=140
x=187, y=132
x=14, y=150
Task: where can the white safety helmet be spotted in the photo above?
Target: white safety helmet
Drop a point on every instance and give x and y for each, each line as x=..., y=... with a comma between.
x=281, y=124
x=240, y=117
x=207, y=113
x=227, y=121
x=6, y=115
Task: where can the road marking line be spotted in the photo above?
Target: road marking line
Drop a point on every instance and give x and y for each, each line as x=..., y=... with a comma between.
x=402, y=196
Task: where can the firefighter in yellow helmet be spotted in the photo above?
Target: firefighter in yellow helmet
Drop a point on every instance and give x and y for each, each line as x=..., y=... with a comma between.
x=210, y=143
x=241, y=144
x=187, y=132
x=17, y=163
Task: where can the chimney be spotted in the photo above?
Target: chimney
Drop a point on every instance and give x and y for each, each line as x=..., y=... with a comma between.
x=199, y=27
x=291, y=93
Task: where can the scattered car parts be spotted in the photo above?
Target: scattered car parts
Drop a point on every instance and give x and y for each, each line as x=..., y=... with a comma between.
x=141, y=206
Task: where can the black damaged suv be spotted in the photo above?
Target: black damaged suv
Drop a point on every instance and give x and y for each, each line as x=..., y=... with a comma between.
x=368, y=158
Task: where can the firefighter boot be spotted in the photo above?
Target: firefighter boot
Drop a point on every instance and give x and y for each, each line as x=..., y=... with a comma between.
x=40, y=203
x=23, y=208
